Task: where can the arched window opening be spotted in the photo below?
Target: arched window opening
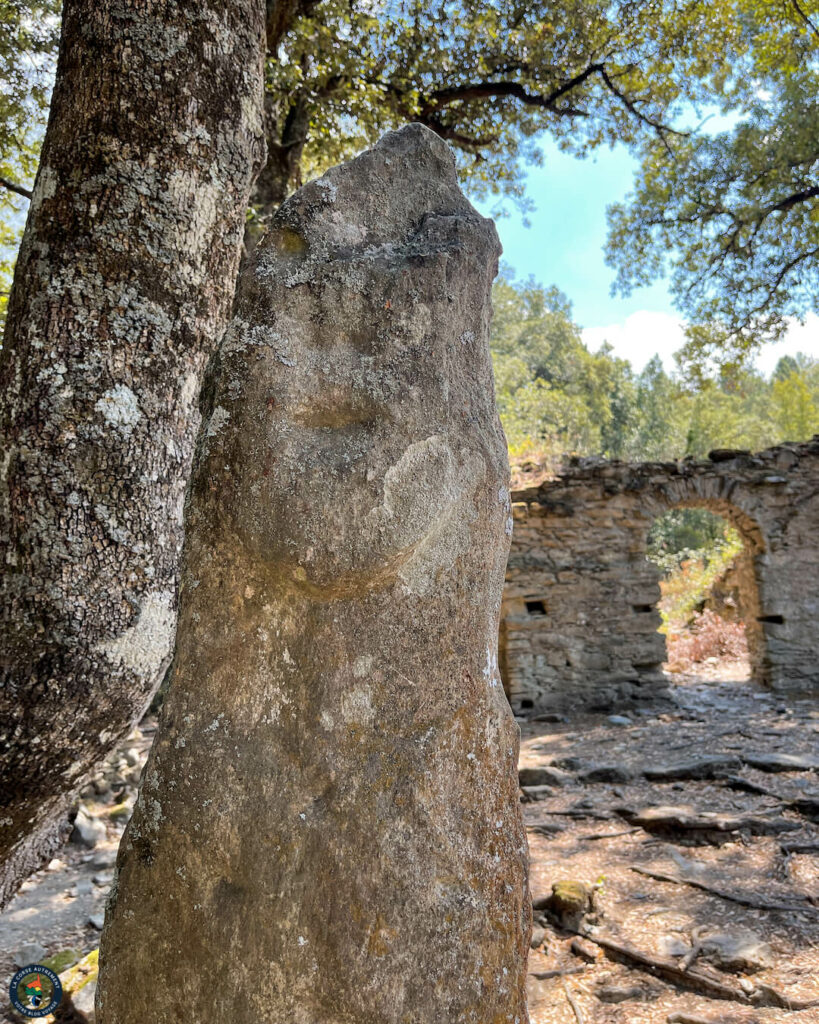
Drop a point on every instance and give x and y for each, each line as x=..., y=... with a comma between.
x=709, y=603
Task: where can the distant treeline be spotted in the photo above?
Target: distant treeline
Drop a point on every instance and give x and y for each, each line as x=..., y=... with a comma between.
x=556, y=396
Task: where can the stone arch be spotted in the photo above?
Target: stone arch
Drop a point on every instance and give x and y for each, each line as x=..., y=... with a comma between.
x=579, y=617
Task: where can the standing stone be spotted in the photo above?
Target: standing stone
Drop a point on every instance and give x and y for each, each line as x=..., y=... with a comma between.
x=328, y=828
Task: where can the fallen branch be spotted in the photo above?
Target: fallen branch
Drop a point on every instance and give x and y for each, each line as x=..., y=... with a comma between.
x=546, y=975
x=546, y=828
x=798, y=847
x=746, y=901
x=808, y=806
x=573, y=1003
x=694, y=979
x=572, y=812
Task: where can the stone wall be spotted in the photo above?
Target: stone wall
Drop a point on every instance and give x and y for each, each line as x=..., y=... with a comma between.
x=579, y=621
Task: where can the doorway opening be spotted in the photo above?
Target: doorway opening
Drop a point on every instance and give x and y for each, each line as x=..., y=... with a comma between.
x=709, y=603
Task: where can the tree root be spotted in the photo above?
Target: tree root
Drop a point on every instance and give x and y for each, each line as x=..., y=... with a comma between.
x=746, y=901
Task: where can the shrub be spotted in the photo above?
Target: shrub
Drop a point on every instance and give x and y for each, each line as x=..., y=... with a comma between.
x=706, y=636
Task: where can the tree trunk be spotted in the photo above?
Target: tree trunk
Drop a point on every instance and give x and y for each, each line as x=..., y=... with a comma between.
x=123, y=287
x=285, y=145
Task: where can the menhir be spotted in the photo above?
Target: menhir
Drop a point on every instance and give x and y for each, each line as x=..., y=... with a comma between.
x=328, y=829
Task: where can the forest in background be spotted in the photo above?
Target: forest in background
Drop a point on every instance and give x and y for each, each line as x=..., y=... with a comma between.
x=556, y=397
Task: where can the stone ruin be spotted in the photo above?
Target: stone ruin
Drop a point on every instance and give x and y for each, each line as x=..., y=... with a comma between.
x=579, y=620
x=328, y=827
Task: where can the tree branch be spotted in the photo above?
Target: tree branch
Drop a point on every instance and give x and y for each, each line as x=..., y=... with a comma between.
x=483, y=90
x=659, y=128
x=792, y=200
x=798, y=8
x=13, y=187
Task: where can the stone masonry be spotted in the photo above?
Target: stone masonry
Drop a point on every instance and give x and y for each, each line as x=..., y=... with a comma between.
x=579, y=621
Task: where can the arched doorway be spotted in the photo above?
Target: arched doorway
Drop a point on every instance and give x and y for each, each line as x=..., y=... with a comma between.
x=744, y=568
x=709, y=604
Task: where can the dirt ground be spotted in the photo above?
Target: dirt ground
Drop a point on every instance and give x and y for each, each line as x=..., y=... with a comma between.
x=589, y=824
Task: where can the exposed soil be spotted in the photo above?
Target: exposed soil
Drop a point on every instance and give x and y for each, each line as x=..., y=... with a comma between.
x=666, y=919
x=766, y=860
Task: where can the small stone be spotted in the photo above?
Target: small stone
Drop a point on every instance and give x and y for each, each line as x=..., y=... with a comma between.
x=132, y=757
x=79, y=987
x=55, y=865
x=101, y=786
x=619, y=720
x=62, y=959
x=618, y=993
x=781, y=762
x=737, y=951
x=87, y=831
x=710, y=767
x=104, y=879
x=538, y=937
x=97, y=921
x=534, y=793
x=569, y=902
x=607, y=773
x=105, y=858
x=82, y=1002
x=84, y=886
x=543, y=775
x=671, y=946
x=31, y=953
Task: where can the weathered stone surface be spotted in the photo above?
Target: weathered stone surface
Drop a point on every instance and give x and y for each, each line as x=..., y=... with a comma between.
x=668, y=820
x=544, y=775
x=738, y=950
x=330, y=806
x=777, y=762
x=579, y=622
x=712, y=766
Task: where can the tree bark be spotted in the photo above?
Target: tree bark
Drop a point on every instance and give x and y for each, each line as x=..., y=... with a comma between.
x=122, y=289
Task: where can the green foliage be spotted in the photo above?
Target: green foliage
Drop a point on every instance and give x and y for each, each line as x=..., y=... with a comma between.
x=28, y=46
x=733, y=217
x=490, y=78
x=555, y=396
x=692, y=548
x=684, y=533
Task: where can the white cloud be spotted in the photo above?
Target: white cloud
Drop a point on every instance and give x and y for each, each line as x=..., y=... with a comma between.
x=640, y=337
x=644, y=334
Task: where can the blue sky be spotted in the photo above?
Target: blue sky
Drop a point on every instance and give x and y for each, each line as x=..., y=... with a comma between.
x=564, y=246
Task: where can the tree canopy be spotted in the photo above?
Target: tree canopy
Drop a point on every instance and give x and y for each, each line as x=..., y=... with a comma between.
x=730, y=217
x=490, y=78
x=733, y=217
x=29, y=30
